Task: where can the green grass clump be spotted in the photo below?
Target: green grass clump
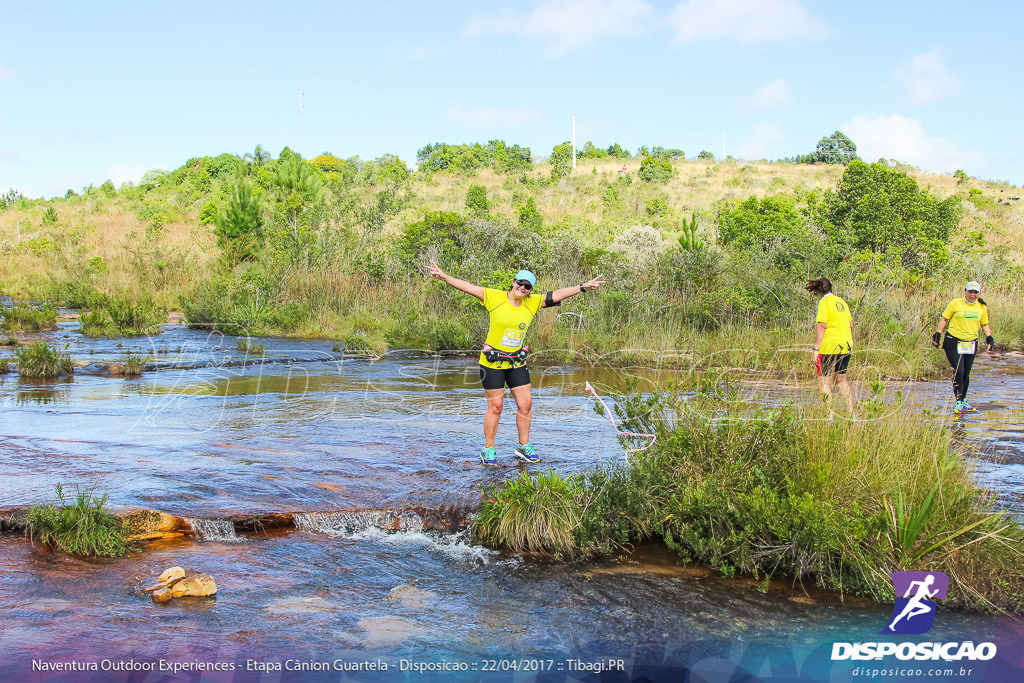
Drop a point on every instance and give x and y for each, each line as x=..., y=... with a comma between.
x=133, y=364
x=38, y=359
x=80, y=526
x=251, y=347
x=28, y=318
x=532, y=514
x=770, y=493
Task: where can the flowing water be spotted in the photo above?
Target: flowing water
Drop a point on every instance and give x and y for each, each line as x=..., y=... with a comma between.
x=376, y=462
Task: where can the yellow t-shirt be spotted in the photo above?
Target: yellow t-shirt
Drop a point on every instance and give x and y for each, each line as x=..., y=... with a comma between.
x=838, y=338
x=508, y=323
x=965, y=319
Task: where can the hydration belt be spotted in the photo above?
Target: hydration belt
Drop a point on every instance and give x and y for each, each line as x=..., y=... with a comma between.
x=493, y=355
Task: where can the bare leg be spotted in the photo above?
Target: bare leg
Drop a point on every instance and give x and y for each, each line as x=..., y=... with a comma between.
x=495, y=400
x=524, y=412
x=845, y=391
x=825, y=386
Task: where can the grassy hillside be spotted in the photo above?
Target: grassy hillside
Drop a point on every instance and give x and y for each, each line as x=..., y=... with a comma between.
x=339, y=251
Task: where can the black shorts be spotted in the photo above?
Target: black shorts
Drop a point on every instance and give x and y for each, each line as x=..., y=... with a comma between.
x=497, y=378
x=832, y=364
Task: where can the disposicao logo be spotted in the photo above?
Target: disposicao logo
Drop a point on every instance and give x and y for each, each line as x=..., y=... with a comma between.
x=914, y=614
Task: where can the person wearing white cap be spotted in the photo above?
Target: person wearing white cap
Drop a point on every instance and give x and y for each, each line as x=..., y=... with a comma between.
x=503, y=360
x=966, y=317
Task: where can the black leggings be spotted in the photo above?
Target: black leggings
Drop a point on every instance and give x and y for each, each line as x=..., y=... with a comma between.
x=961, y=364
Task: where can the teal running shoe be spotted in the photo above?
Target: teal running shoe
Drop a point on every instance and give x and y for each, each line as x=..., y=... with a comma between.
x=488, y=455
x=959, y=408
x=966, y=407
x=524, y=451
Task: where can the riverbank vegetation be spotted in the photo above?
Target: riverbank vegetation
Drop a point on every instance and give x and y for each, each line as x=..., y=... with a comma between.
x=78, y=525
x=706, y=257
x=773, y=494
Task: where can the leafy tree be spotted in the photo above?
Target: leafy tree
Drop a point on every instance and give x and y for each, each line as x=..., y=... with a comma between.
x=961, y=177
x=761, y=223
x=561, y=160
x=297, y=176
x=508, y=159
x=476, y=200
x=258, y=157
x=108, y=189
x=883, y=210
x=618, y=152
x=436, y=238
x=239, y=228
x=529, y=217
x=589, y=151
x=704, y=154
x=153, y=177
x=654, y=170
x=832, y=149
x=70, y=193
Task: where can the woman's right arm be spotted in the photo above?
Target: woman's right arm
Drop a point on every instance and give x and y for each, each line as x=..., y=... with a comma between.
x=475, y=290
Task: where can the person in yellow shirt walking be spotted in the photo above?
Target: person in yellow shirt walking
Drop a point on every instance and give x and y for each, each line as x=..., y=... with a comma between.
x=833, y=341
x=965, y=318
x=503, y=360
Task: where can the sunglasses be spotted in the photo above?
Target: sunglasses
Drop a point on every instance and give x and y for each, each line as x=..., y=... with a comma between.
x=525, y=284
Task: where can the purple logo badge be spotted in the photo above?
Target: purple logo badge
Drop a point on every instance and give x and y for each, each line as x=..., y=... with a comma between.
x=914, y=612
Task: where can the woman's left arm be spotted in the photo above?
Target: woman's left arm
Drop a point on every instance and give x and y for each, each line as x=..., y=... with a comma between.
x=560, y=295
x=988, y=335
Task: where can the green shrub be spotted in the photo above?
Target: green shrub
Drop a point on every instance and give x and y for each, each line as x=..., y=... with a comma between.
x=250, y=347
x=239, y=227
x=704, y=154
x=561, y=161
x=129, y=318
x=529, y=217
x=38, y=359
x=476, y=200
x=208, y=214
x=28, y=318
x=656, y=207
x=50, y=216
x=79, y=527
x=436, y=238
x=654, y=170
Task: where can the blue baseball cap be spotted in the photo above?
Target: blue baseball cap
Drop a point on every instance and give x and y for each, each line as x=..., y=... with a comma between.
x=528, y=276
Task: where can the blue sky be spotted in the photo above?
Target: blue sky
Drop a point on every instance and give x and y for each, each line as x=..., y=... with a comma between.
x=90, y=91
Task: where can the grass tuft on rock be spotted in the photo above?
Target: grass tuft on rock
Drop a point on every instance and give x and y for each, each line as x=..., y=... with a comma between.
x=39, y=359
x=28, y=318
x=776, y=493
x=78, y=525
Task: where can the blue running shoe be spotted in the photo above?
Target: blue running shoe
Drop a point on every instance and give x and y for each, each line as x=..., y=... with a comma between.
x=959, y=408
x=488, y=455
x=966, y=407
x=525, y=452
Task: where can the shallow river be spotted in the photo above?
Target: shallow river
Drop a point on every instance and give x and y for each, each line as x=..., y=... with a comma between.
x=344, y=441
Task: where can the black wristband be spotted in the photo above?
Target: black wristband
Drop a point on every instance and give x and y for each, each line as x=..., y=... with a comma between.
x=990, y=341
x=936, y=338
x=583, y=289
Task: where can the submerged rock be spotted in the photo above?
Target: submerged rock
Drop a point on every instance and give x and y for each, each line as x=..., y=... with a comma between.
x=162, y=595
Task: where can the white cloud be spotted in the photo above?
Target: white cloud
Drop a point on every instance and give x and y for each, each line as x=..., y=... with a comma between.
x=925, y=78
x=7, y=73
x=124, y=174
x=485, y=116
x=564, y=25
x=903, y=139
x=744, y=21
x=764, y=137
x=768, y=96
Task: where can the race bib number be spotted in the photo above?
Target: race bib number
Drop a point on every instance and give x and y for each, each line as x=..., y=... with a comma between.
x=512, y=339
x=966, y=348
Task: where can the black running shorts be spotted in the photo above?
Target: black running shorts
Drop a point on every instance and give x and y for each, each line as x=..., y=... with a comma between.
x=497, y=378
x=832, y=364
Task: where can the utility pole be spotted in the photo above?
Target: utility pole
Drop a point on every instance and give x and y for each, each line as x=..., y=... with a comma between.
x=573, y=115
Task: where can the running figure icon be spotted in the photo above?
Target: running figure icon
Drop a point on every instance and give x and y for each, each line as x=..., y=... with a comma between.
x=914, y=612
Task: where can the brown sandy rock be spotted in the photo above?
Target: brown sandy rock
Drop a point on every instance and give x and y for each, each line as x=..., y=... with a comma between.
x=194, y=585
x=162, y=595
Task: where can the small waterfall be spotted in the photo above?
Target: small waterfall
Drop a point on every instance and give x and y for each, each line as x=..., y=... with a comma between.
x=354, y=522
x=213, y=529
